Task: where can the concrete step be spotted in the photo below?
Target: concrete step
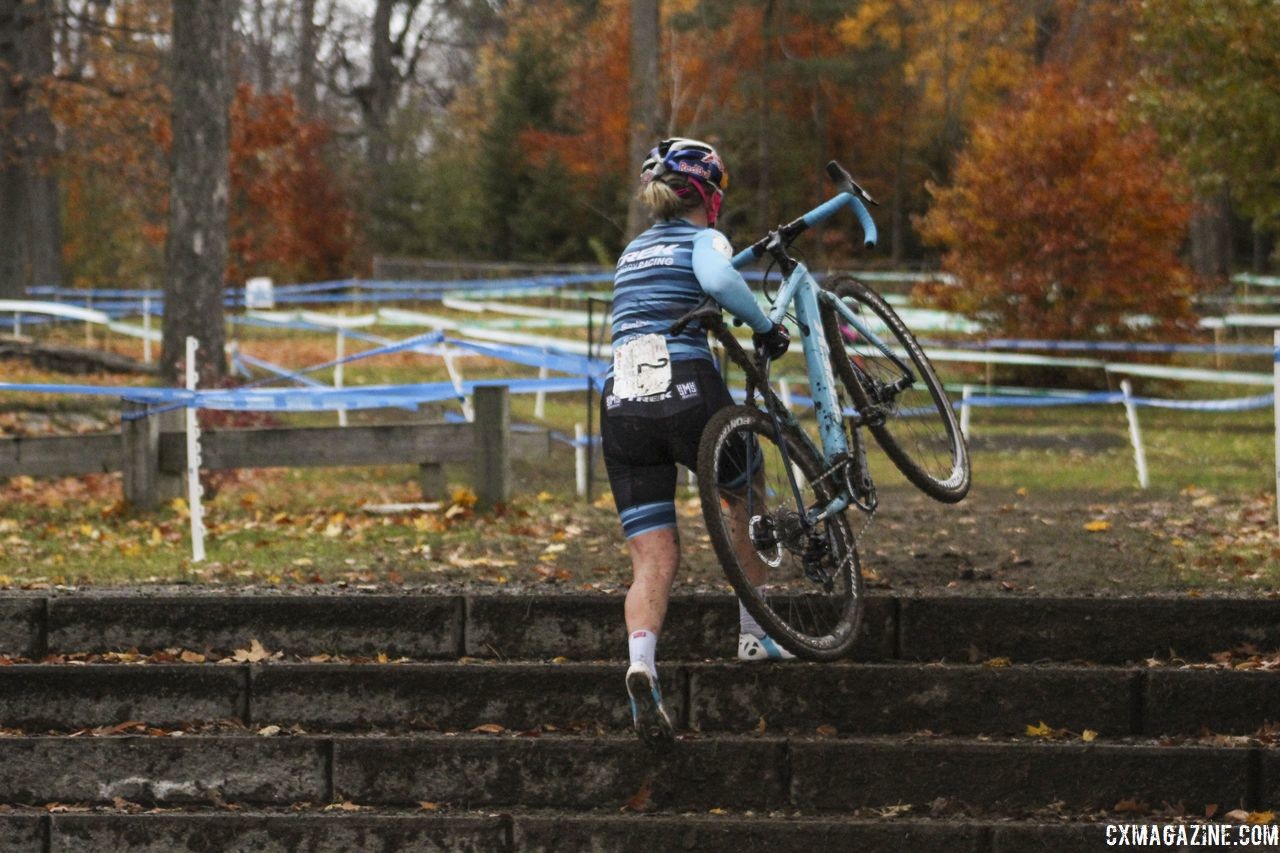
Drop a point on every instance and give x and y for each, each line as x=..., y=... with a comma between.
x=852, y=698
x=428, y=626
x=761, y=774
x=532, y=831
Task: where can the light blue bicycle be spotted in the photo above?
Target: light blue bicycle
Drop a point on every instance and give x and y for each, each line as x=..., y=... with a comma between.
x=775, y=500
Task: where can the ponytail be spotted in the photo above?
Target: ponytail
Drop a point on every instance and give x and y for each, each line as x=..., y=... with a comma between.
x=663, y=200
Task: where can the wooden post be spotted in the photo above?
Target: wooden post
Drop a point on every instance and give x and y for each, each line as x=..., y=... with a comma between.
x=432, y=481
x=169, y=483
x=141, y=439
x=492, y=448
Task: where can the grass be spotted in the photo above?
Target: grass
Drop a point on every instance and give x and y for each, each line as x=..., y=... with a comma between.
x=310, y=525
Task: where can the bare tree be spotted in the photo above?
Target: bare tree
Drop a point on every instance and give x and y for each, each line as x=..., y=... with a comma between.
x=196, y=247
x=305, y=88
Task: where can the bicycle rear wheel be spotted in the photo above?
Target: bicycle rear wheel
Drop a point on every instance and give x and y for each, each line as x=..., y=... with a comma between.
x=804, y=589
x=916, y=425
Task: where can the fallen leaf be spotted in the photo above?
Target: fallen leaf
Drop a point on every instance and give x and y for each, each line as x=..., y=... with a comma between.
x=639, y=801
x=1261, y=817
x=489, y=729
x=1097, y=526
x=826, y=730
x=1238, y=815
x=1088, y=736
x=1043, y=730
x=427, y=805
x=254, y=654
x=268, y=731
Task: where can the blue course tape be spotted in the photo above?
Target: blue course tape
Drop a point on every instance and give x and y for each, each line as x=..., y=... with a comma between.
x=562, y=362
x=1240, y=404
x=283, y=373
x=1103, y=346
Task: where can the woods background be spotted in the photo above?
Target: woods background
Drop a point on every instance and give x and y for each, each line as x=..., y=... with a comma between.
x=1056, y=153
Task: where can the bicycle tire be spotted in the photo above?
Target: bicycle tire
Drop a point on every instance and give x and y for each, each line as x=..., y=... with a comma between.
x=806, y=618
x=924, y=441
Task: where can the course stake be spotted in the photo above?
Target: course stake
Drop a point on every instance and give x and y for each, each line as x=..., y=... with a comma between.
x=195, y=492
x=1135, y=433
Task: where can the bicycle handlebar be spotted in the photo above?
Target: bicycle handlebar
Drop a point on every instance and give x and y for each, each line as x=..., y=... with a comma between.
x=849, y=195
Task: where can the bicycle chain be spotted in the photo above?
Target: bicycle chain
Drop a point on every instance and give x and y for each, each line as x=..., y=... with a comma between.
x=830, y=472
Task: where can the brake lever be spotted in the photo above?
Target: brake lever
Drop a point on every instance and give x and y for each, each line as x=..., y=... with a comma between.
x=845, y=183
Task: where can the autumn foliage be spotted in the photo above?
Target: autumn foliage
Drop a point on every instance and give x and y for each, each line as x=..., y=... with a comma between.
x=1063, y=222
x=290, y=217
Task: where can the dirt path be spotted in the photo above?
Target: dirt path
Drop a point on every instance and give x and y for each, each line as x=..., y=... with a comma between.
x=1074, y=542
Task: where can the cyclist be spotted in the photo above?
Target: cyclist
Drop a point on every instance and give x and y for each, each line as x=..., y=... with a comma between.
x=662, y=390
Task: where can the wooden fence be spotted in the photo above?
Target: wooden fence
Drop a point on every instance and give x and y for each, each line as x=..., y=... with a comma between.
x=152, y=453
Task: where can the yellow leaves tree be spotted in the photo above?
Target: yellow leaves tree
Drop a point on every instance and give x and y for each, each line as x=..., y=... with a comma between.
x=943, y=64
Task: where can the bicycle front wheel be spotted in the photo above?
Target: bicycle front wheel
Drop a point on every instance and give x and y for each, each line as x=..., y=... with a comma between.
x=802, y=583
x=907, y=411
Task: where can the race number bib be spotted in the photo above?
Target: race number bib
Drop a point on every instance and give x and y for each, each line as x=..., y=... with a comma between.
x=641, y=367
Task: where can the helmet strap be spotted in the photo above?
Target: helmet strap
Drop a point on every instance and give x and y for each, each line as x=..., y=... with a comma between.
x=711, y=204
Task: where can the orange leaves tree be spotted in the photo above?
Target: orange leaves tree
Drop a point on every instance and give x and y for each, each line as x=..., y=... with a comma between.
x=291, y=218
x=1062, y=222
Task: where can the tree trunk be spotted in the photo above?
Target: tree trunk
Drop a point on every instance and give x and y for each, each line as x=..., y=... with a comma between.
x=12, y=188
x=646, y=47
x=1264, y=246
x=763, y=127
x=898, y=211
x=263, y=61
x=30, y=220
x=306, y=91
x=378, y=94
x=196, y=248
x=1211, y=237
x=44, y=208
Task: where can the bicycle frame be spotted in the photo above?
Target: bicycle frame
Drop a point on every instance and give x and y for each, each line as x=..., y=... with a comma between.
x=800, y=289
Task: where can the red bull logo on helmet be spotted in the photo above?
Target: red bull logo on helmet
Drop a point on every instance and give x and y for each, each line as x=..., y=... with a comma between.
x=695, y=169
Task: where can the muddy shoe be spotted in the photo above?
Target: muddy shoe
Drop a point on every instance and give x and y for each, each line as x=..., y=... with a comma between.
x=761, y=648
x=650, y=715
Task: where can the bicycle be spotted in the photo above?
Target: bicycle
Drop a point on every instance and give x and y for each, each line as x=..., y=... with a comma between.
x=774, y=500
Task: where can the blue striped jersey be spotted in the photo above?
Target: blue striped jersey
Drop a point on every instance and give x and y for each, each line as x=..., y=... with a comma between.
x=654, y=285
x=665, y=273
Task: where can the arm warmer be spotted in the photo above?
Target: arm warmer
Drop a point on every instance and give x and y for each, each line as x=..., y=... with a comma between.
x=723, y=283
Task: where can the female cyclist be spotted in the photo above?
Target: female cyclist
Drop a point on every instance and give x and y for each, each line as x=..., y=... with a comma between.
x=662, y=390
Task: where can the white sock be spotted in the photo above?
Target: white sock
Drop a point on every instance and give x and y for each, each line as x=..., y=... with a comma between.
x=747, y=623
x=643, y=645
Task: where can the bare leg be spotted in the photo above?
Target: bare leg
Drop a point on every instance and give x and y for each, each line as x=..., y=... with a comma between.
x=740, y=532
x=655, y=556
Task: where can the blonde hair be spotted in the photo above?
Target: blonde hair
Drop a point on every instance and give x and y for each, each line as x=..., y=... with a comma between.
x=659, y=195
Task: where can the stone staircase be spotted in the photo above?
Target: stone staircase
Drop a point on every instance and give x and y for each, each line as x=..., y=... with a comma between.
x=195, y=720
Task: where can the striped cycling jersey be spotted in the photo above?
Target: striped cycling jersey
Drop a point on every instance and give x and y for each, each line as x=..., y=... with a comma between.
x=665, y=273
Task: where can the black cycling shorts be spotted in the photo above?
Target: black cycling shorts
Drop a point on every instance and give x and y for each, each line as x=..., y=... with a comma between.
x=644, y=439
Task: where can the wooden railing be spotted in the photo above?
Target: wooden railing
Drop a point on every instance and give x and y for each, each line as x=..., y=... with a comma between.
x=151, y=451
